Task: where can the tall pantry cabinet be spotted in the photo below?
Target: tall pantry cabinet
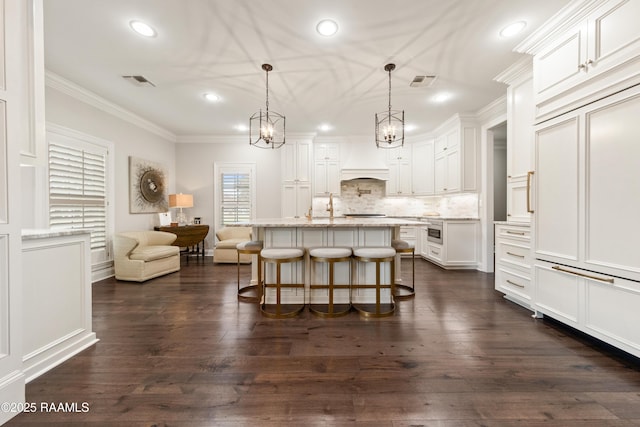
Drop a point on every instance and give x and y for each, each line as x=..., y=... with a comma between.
x=586, y=267
x=296, y=178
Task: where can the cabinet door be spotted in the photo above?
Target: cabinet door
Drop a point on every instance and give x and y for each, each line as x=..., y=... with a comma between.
x=453, y=170
x=561, y=65
x=289, y=205
x=613, y=35
x=333, y=176
x=518, y=196
x=423, y=178
x=289, y=160
x=440, y=173
x=521, y=112
x=613, y=184
x=557, y=294
x=320, y=178
x=303, y=199
x=556, y=189
x=303, y=161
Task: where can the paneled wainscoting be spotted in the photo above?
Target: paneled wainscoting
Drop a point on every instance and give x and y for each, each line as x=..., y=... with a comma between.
x=180, y=350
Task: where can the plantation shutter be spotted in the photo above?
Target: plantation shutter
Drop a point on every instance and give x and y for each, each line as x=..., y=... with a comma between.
x=78, y=190
x=236, y=197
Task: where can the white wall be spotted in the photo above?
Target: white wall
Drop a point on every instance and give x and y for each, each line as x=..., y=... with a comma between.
x=128, y=140
x=194, y=168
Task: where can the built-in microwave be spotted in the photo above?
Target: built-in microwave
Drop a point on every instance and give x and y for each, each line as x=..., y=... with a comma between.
x=434, y=231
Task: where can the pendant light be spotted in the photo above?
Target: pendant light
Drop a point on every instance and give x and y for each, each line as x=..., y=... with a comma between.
x=390, y=123
x=268, y=127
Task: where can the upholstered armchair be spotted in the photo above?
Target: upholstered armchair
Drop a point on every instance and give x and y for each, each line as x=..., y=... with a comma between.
x=143, y=255
x=228, y=238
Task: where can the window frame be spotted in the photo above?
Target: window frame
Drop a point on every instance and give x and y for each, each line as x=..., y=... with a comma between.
x=230, y=168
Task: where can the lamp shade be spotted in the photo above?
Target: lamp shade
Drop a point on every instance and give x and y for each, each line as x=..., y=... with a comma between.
x=180, y=200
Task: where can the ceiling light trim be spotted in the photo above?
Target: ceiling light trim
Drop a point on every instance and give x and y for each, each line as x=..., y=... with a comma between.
x=142, y=28
x=327, y=27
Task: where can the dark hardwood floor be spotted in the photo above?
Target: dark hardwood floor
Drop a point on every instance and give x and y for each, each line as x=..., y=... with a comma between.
x=180, y=350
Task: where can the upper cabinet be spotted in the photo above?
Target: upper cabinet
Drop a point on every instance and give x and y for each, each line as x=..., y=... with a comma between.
x=399, y=161
x=296, y=162
x=595, y=57
x=326, y=168
x=456, y=156
x=423, y=177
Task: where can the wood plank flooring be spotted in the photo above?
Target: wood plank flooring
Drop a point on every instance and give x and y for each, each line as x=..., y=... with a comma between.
x=180, y=350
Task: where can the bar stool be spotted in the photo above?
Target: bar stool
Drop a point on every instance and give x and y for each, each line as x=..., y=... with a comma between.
x=329, y=255
x=252, y=247
x=279, y=256
x=403, y=292
x=378, y=255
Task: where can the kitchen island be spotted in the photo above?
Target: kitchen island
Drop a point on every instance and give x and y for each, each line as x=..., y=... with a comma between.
x=339, y=231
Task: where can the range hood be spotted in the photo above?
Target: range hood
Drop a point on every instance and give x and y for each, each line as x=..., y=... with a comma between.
x=364, y=161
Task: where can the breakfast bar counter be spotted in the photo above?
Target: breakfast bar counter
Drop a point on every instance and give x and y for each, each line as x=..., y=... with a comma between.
x=340, y=232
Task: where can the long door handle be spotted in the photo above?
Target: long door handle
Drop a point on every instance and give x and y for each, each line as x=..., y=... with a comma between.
x=529, y=175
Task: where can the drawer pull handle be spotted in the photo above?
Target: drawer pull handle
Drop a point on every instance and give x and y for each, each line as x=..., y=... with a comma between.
x=512, y=254
x=515, y=284
x=518, y=233
x=529, y=174
x=588, y=276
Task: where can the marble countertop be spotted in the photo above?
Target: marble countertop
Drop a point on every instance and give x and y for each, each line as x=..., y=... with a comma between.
x=44, y=233
x=327, y=222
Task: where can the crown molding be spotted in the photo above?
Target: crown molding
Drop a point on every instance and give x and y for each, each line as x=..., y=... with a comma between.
x=566, y=18
x=521, y=68
x=496, y=108
x=67, y=87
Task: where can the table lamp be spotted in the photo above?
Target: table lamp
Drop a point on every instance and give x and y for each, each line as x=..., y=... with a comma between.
x=181, y=201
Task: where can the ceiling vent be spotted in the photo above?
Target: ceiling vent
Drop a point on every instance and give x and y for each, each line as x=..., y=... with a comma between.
x=138, y=80
x=422, y=81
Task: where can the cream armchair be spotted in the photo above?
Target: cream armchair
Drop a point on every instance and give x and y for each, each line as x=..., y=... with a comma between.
x=228, y=238
x=143, y=255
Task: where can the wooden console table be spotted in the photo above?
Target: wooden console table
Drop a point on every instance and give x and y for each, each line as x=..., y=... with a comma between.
x=190, y=237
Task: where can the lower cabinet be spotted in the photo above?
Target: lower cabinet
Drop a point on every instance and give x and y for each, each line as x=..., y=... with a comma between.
x=605, y=307
x=459, y=247
x=513, y=263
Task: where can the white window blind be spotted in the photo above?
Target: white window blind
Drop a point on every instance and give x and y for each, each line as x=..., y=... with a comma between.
x=78, y=190
x=235, y=193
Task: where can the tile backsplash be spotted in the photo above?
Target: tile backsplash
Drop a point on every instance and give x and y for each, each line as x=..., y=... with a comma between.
x=368, y=196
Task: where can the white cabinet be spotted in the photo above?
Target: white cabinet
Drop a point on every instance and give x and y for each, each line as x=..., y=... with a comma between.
x=520, y=131
x=296, y=179
x=455, y=156
x=326, y=169
x=513, y=263
x=296, y=199
x=603, y=306
x=586, y=185
x=399, y=161
x=422, y=165
x=459, y=247
x=296, y=161
x=596, y=57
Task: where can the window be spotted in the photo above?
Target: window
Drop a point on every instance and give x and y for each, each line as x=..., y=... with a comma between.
x=234, y=188
x=78, y=196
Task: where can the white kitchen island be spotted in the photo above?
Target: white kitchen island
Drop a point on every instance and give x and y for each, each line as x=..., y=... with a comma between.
x=340, y=231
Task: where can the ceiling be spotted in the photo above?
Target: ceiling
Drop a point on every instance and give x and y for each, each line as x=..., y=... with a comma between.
x=219, y=46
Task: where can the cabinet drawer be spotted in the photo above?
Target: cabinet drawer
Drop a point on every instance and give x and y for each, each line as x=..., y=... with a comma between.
x=611, y=312
x=434, y=252
x=513, y=283
x=513, y=232
x=513, y=253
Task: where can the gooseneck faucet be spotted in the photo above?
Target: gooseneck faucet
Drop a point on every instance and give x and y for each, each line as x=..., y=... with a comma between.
x=330, y=206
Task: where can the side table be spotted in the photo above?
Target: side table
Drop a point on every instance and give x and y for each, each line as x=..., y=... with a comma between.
x=190, y=237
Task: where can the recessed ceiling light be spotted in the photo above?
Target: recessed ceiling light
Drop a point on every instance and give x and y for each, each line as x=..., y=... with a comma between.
x=325, y=127
x=513, y=29
x=211, y=97
x=441, y=97
x=327, y=27
x=142, y=28
x=241, y=128
x=410, y=127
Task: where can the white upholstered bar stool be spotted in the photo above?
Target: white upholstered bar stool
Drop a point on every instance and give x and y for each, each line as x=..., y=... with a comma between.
x=403, y=291
x=252, y=248
x=279, y=256
x=377, y=255
x=329, y=256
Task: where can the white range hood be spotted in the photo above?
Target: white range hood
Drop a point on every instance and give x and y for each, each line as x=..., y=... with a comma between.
x=364, y=161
